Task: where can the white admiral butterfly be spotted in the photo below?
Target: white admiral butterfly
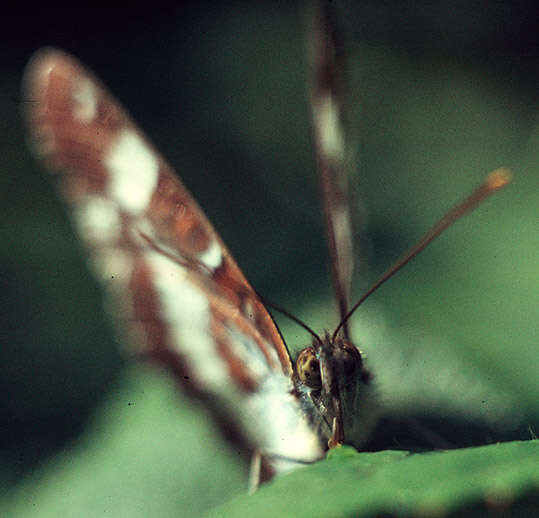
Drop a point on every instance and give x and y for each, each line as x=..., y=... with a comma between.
x=177, y=292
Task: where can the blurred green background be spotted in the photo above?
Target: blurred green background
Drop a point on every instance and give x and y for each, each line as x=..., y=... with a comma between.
x=440, y=95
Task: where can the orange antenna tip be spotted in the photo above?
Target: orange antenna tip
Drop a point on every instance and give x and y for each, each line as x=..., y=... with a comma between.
x=498, y=178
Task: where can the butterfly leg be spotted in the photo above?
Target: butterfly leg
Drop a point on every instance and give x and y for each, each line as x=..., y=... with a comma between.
x=260, y=470
x=254, y=472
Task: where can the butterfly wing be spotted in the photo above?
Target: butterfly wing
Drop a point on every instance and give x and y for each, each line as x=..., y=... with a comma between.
x=174, y=289
x=327, y=96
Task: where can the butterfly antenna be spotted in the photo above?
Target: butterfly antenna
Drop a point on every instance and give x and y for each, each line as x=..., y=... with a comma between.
x=493, y=182
x=291, y=317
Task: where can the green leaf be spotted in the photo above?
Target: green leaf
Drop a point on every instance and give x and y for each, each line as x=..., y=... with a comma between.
x=369, y=484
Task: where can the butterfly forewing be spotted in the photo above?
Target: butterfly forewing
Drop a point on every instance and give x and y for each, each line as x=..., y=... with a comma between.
x=174, y=288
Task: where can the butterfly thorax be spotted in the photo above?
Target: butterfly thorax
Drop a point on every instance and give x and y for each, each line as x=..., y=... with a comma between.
x=332, y=377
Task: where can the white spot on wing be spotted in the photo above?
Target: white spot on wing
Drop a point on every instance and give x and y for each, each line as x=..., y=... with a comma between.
x=248, y=352
x=98, y=220
x=331, y=137
x=113, y=264
x=212, y=256
x=85, y=101
x=185, y=309
x=284, y=427
x=133, y=170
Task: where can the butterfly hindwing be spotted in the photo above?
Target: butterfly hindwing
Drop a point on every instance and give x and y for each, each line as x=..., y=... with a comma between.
x=173, y=287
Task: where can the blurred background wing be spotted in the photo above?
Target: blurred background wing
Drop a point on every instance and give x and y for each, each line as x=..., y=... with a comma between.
x=327, y=70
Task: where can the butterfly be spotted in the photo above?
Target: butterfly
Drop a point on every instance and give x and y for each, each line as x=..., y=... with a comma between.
x=175, y=291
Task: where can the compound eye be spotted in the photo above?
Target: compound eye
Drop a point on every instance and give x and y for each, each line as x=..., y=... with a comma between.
x=308, y=368
x=351, y=359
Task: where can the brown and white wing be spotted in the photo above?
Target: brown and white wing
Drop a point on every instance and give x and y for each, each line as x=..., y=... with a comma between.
x=173, y=287
x=327, y=93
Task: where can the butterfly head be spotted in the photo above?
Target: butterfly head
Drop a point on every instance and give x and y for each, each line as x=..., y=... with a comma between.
x=328, y=363
x=333, y=373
